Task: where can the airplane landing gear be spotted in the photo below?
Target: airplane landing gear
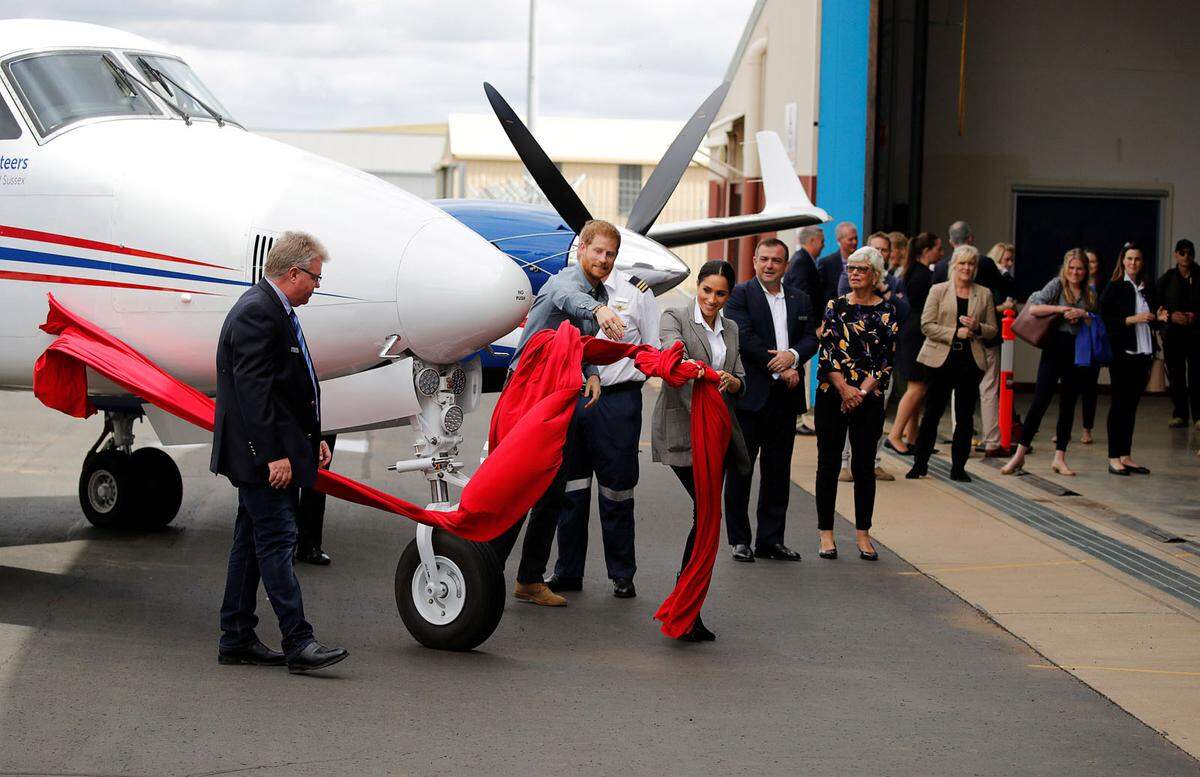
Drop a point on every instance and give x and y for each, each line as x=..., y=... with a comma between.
x=449, y=591
x=123, y=488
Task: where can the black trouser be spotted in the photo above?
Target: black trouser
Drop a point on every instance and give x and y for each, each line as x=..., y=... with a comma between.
x=1056, y=366
x=543, y=522
x=771, y=430
x=264, y=537
x=1087, y=395
x=689, y=484
x=959, y=375
x=310, y=516
x=1182, y=353
x=1130, y=374
x=863, y=425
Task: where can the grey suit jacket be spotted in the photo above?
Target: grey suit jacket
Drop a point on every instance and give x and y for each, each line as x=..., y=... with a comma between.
x=671, y=425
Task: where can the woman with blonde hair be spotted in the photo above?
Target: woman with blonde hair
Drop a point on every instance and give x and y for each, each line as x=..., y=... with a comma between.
x=1068, y=295
x=958, y=315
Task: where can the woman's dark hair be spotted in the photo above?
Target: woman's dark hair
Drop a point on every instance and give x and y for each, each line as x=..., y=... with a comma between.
x=718, y=267
x=1119, y=270
x=916, y=249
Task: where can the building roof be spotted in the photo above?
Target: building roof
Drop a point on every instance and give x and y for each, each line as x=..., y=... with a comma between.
x=605, y=141
x=403, y=129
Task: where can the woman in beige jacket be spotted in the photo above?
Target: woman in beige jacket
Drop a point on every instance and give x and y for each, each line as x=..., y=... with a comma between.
x=959, y=314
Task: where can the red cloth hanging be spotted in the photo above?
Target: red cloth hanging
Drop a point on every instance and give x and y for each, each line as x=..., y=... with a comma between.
x=526, y=436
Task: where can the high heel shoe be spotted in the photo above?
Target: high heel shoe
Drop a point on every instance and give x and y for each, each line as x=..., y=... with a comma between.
x=1063, y=469
x=919, y=470
x=1012, y=469
x=830, y=554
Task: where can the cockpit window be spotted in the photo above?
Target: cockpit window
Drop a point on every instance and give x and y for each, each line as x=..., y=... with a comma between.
x=178, y=84
x=9, y=128
x=64, y=87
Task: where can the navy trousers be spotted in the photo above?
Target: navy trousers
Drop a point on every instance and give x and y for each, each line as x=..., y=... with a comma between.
x=264, y=537
x=770, y=435
x=607, y=446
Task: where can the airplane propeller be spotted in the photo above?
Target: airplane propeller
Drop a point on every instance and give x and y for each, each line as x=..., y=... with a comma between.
x=553, y=185
x=650, y=200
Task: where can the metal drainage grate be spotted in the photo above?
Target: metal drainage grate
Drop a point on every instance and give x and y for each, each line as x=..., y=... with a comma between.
x=1156, y=572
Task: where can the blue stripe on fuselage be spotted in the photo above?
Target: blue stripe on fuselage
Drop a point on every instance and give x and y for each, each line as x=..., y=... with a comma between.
x=38, y=257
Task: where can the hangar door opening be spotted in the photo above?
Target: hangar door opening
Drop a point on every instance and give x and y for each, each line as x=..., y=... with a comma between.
x=1046, y=224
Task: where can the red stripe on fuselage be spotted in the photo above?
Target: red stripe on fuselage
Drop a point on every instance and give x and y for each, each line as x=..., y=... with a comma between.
x=81, y=242
x=39, y=277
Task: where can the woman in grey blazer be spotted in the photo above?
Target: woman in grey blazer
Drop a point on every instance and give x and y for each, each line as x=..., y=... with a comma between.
x=709, y=337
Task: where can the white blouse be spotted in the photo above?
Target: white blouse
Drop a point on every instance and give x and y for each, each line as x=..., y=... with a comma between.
x=1142, y=331
x=716, y=340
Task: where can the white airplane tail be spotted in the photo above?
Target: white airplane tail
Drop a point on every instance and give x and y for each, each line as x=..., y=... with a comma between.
x=781, y=185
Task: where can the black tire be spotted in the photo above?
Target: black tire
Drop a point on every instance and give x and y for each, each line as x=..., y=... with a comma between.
x=159, y=489
x=106, y=490
x=483, y=585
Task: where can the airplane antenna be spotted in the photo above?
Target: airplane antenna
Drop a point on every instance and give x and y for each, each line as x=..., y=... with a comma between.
x=531, y=104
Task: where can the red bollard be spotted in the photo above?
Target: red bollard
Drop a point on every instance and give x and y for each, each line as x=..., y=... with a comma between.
x=1008, y=343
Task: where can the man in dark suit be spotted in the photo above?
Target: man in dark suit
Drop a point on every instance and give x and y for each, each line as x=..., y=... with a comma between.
x=831, y=266
x=776, y=336
x=266, y=440
x=802, y=269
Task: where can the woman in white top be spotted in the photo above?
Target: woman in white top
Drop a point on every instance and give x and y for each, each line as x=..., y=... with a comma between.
x=1130, y=310
x=713, y=339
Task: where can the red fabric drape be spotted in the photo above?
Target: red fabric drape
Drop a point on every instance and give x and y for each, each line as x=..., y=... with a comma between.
x=526, y=435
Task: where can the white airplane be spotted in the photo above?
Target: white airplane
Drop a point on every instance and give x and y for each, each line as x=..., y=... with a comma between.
x=130, y=193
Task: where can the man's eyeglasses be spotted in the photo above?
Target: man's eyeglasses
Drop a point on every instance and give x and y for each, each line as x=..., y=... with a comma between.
x=314, y=276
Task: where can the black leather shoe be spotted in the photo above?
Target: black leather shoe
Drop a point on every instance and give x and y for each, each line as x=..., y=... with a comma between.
x=830, y=554
x=256, y=654
x=1137, y=470
x=960, y=475
x=1123, y=472
x=314, y=556
x=315, y=656
x=777, y=552
x=865, y=556
x=888, y=444
x=743, y=553
x=919, y=470
x=559, y=584
x=702, y=631
x=623, y=588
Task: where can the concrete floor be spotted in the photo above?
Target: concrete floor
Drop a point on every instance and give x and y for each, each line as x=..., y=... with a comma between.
x=108, y=640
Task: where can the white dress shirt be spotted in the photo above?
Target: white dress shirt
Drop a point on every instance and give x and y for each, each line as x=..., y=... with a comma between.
x=778, y=305
x=639, y=311
x=716, y=339
x=1142, y=331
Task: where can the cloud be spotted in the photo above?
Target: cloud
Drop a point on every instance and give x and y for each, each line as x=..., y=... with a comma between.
x=308, y=64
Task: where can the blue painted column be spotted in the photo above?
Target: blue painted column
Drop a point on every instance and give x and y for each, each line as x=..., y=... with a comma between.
x=842, y=116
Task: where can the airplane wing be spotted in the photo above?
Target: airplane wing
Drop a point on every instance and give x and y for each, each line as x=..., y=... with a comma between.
x=787, y=205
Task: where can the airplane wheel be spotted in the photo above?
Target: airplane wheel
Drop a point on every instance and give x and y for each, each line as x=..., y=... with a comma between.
x=467, y=607
x=106, y=491
x=159, y=488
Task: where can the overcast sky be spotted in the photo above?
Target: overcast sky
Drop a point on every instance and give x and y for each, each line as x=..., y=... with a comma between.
x=342, y=63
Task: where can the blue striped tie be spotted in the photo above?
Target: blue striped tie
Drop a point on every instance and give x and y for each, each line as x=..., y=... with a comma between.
x=307, y=359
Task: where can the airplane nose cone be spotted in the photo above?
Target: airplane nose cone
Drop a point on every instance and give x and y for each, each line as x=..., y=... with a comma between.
x=457, y=293
x=649, y=260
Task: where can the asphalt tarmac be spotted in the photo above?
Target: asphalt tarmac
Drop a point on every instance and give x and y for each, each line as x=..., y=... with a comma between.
x=108, y=654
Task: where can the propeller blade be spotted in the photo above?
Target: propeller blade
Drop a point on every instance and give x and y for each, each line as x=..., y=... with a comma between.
x=662, y=182
x=553, y=185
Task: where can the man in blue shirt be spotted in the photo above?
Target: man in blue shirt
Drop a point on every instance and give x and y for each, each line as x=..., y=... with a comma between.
x=575, y=294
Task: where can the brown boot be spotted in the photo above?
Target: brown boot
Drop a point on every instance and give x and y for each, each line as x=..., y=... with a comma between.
x=538, y=593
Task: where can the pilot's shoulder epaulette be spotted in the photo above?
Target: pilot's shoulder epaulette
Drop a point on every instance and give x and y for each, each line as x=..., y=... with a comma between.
x=640, y=284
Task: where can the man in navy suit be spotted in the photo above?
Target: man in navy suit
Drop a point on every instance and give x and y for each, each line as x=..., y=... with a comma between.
x=267, y=441
x=831, y=266
x=776, y=336
x=802, y=269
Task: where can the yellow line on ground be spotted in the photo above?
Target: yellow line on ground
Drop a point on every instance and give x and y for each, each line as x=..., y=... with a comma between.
x=985, y=567
x=1115, y=669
